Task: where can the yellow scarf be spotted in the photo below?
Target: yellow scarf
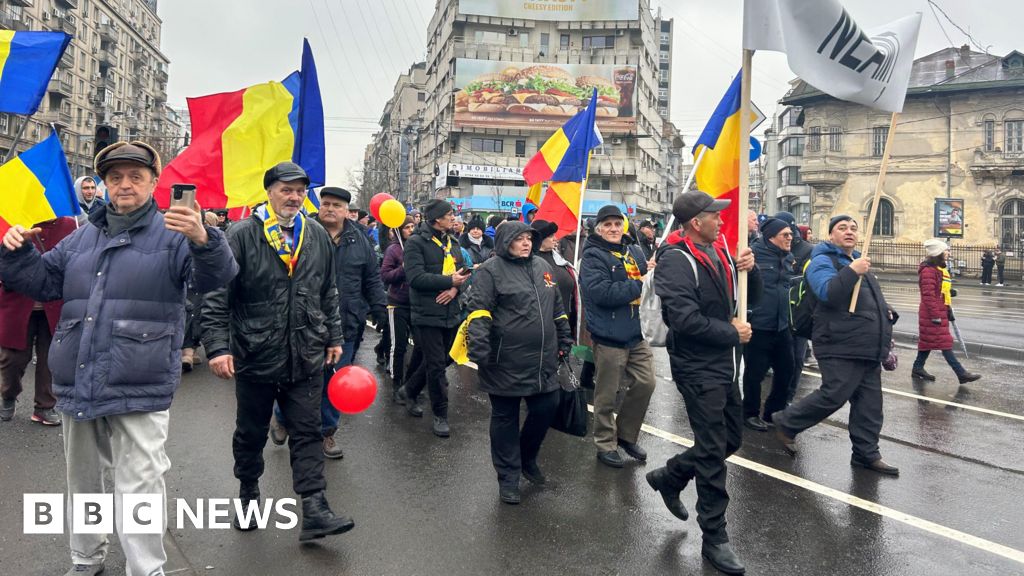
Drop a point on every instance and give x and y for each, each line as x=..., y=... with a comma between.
x=632, y=268
x=287, y=252
x=448, y=267
x=947, y=286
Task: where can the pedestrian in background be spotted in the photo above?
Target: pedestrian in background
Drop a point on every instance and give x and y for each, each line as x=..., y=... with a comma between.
x=801, y=250
x=612, y=270
x=1000, y=266
x=935, y=313
x=646, y=240
x=988, y=261
x=479, y=245
x=27, y=326
x=88, y=198
x=562, y=272
x=392, y=272
x=517, y=332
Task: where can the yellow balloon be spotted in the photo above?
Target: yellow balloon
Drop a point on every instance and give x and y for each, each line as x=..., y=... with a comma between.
x=392, y=213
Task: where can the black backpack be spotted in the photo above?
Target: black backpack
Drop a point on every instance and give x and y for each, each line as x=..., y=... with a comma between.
x=802, y=302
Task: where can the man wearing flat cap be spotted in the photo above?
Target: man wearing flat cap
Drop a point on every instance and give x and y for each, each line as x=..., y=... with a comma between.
x=849, y=347
x=697, y=281
x=116, y=351
x=275, y=329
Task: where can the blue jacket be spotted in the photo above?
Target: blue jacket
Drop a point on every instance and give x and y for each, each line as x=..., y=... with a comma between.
x=117, y=346
x=609, y=294
x=776, y=267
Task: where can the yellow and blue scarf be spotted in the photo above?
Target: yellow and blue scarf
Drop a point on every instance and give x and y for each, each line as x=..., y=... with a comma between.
x=448, y=267
x=287, y=252
x=631, y=267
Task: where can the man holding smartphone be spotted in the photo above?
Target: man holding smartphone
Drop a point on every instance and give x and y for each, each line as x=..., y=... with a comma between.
x=123, y=281
x=435, y=270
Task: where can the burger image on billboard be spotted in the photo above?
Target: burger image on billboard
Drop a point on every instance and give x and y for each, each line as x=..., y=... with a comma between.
x=607, y=94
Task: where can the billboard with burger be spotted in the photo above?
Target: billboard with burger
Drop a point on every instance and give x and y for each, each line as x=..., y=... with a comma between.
x=524, y=96
x=553, y=9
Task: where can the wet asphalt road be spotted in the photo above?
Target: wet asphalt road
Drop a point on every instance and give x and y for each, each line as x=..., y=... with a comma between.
x=426, y=506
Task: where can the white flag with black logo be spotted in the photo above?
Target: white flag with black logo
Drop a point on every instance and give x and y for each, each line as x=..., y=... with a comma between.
x=828, y=50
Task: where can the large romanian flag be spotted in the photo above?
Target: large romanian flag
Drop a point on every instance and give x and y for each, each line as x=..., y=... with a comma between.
x=36, y=186
x=719, y=171
x=238, y=136
x=27, y=61
x=564, y=161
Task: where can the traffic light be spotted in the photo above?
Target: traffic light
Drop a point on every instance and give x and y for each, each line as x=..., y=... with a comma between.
x=105, y=136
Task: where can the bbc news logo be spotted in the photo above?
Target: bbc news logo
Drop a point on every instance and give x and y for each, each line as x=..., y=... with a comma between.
x=144, y=513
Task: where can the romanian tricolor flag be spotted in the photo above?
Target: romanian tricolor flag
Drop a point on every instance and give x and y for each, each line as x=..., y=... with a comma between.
x=36, y=186
x=564, y=161
x=27, y=61
x=718, y=173
x=238, y=136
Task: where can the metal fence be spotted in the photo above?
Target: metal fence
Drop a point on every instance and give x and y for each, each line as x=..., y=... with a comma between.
x=965, y=260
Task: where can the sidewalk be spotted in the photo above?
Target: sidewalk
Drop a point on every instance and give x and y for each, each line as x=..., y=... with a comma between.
x=907, y=278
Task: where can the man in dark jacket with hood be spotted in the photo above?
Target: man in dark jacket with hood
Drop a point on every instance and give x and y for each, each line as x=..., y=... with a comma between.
x=274, y=329
x=479, y=245
x=771, y=345
x=850, y=347
x=435, y=270
x=697, y=281
x=801, y=251
x=612, y=269
x=518, y=330
x=115, y=357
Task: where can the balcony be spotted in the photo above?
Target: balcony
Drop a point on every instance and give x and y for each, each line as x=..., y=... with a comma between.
x=823, y=171
x=70, y=4
x=67, y=60
x=58, y=117
x=11, y=21
x=161, y=75
x=106, y=58
x=160, y=95
x=68, y=24
x=61, y=87
x=802, y=191
x=996, y=165
x=109, y=31
x=107, y=81
x=613, y=166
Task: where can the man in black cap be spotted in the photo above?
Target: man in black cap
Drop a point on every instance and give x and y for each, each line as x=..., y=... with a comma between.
x=274, y=329
x=771, y=345
x=801, y=251
x=612, y=270
x=645, y=239
x=850, y=347
x=115, y=357
x=360, y=292
x=696, y=280
x=435, y=271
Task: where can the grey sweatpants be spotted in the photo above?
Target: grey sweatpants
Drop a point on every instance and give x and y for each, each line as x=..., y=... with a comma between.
x=132, y=445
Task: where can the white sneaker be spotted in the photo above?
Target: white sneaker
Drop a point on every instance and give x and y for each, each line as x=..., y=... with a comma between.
x=999, y=285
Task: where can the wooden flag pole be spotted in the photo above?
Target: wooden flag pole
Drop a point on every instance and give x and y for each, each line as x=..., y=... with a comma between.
x=744, y=160
x=686, y=186
x=874, y=204
x=579, y=213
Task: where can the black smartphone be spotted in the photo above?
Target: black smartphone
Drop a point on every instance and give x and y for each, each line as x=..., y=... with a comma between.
x=183, y=195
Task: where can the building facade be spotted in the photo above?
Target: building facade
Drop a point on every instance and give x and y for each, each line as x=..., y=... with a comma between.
x=390, y=157
x=479, y=166
x=957, y=159
x=111, y=75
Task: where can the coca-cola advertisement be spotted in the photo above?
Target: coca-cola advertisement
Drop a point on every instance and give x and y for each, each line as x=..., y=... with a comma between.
x=526, y=96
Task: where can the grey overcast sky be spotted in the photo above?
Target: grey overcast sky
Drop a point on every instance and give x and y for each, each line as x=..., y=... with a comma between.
x=361, y=47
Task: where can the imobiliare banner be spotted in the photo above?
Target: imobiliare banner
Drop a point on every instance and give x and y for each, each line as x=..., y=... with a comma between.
x=528, y=96
x=563, y=10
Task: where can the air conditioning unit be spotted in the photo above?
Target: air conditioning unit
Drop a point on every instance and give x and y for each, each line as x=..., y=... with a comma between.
x=46, y=15
x=70, y=18
x=57, y=13
x=617, y=141
x=513, y=32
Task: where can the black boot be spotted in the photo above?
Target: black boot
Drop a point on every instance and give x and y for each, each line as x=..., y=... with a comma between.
x=661, y=482
x=922, y=374
x=249, y=494
x=318, y=520
x=722, y=557
x=968, y=377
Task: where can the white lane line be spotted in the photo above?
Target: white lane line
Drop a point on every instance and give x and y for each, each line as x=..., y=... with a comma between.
x=920, y=523
x=937, y=401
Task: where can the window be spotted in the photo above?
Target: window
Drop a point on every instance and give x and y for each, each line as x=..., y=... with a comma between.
x=484, y=37
x=1014, y=136
x=1012, y=216
x=5, y=123
x=790, y=176
x=599, y=184
x=793, y=146
x=545, y=39
x=485, y=145
x=835, y=139
x=878, y=137
x=790, y=117
x=520, y=148
x=421, y=96
x=563, y=41
x=598, y=42
x=884, y=222
x=524, y=40
x=990, y=135
x=814, y=139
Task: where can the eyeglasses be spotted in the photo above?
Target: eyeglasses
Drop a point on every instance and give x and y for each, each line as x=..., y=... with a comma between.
x=787, y=235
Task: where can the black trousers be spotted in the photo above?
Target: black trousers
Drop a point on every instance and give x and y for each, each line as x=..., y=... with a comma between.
x=400, y=321
x=986, y=274
x=858, y=382
x=434, y=343
x=300, y=404
x=715, y=418
x=799, y=355
x=510, y=447
x=767, y=349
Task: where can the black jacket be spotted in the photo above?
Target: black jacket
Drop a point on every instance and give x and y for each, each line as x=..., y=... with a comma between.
x=277, y=327
x=360, y=289
x=610, y=297
x=702, y=343
x=648, y=246
x=516, y=349
x=424, y=261
x=801, y=251
x=776, y=267
x=480, y=253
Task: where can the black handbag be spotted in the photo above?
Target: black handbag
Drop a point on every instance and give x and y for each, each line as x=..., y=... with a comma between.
x=571, y=416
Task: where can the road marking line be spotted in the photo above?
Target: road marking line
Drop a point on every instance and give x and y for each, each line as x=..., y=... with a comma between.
x=920, y=523
x=937, y=401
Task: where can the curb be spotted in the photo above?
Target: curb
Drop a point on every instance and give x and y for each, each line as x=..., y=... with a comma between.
x=957, y=282
x=973, y=348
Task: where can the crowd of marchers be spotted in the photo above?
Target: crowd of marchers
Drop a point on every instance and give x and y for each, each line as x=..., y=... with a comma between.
x=114, y=305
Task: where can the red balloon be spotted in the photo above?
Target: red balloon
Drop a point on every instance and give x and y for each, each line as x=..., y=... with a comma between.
x=376, y=201
x=352, y=389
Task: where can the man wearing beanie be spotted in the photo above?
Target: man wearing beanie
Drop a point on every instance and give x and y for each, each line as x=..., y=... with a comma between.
x=771, y=345
x=479, y=245
x=850, y=347
x=801, y=251
x=435, y=271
